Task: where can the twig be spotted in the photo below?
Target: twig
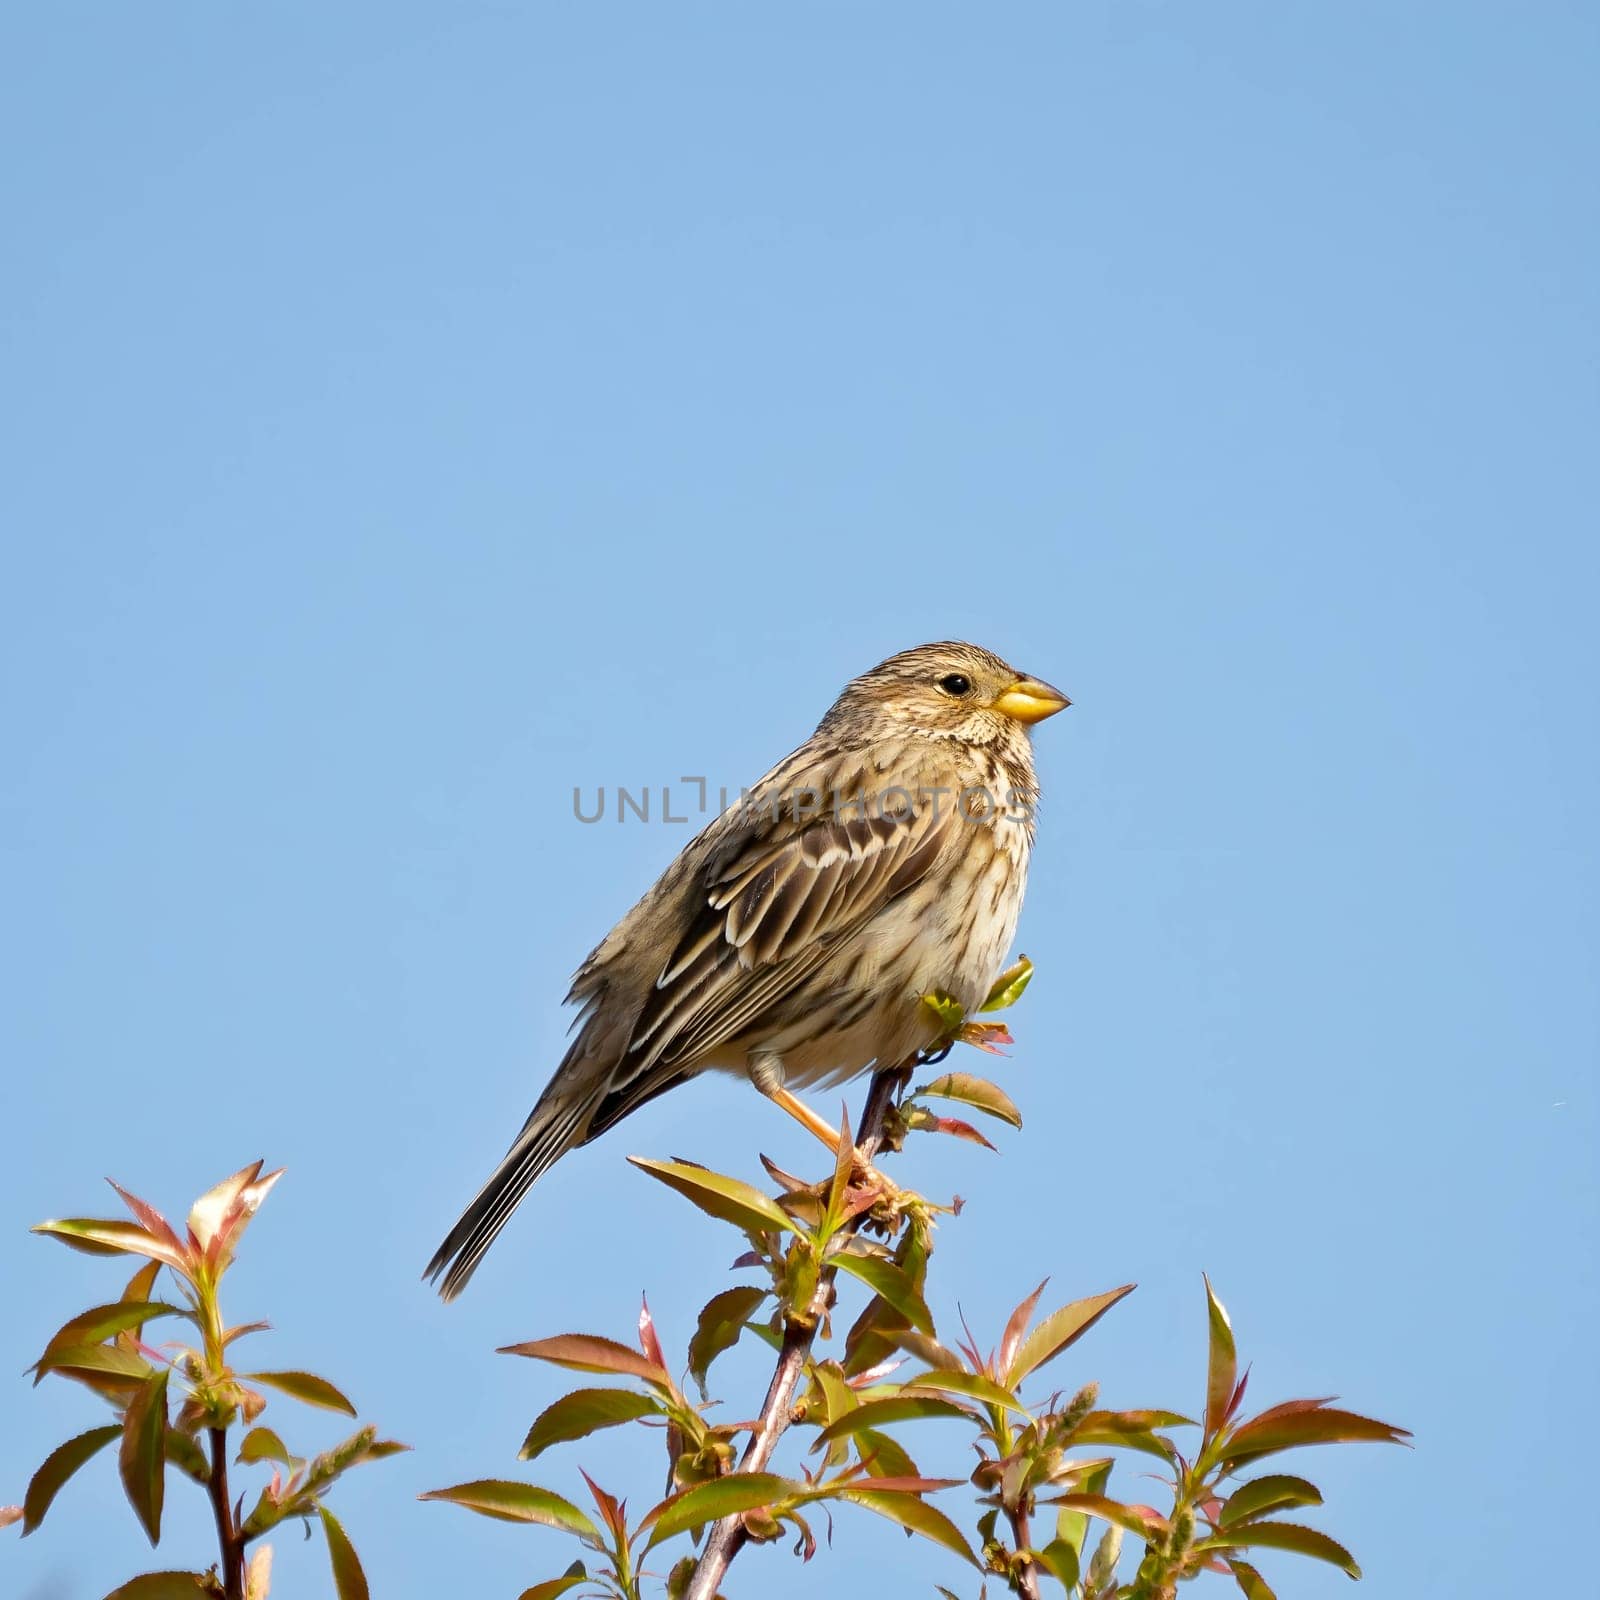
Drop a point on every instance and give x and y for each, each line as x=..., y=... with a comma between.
x=728, y=1537
x=228, y=1540
x=1027, y=1571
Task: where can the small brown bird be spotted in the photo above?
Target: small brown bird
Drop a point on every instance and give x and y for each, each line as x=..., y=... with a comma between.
x=793, y=938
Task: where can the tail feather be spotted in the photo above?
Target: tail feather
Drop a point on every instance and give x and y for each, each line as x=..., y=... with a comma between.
x=547, y=1136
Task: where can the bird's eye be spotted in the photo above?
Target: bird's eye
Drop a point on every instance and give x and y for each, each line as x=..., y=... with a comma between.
x=954, y=683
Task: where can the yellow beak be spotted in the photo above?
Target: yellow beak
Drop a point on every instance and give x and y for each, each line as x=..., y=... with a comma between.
x=1029, y=700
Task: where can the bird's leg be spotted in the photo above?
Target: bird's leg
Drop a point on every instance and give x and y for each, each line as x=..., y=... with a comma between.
x=766, y=1073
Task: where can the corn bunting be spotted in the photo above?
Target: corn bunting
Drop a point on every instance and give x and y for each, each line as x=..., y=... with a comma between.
x=794, y=937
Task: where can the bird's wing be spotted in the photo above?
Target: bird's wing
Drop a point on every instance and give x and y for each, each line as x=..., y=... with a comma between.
x=774, y=901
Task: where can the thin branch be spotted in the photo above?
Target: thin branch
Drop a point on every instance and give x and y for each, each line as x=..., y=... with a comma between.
x=728, y=1537
x=1028, y=1571
x=228, y=1540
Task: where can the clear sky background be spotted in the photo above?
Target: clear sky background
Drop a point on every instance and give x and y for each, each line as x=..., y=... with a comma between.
x=415, y=411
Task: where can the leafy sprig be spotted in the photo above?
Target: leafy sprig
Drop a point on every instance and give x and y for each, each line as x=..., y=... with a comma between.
x=176, y=1402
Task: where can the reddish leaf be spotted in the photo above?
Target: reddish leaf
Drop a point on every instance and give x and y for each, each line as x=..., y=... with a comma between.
x=920, y=1120
x=150, y=1219
x=1284, y=1429
x=1285, y=1536
x=588, y=1352
x=221, y=1215
x=97, y=1236
x=985, y=1036
x=1016, y=1326
x=1141, y=1520
x=142, y=1459
x=57, y=1467
x=909, y=1483
x=648, y=1342
x=1060, y=1330
x=610, y=1509
x=306, y=1387
x=1222, y=1367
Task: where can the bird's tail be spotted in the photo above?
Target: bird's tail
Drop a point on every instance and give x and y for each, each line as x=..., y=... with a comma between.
x=554, y=1128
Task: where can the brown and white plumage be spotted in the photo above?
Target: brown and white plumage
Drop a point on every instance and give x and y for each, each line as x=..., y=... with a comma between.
x=794, y=937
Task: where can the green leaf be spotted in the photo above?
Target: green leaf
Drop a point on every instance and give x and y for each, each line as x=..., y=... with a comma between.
x=518, y=1502
x=971, y=1384
x=1059, y=1330
x=894, y=1408
x=976, y=1092
x=1060, y=1560
x=306, y=1387
x=262, y=1444
x=585, y=1411
x=588, y=1352
x=1222, y=1366
x=163, y=1586
x=103, y=1360
x=99, y=1236
x=721, y=1322
x=1008, y=987
x=1275, y=1492
x=349, y=1581
x=722, y=1497
x=1301, y=1423
x=1250, y=1581
x=98, y=1324
x=142, y=1459
x=1133, y=1430
x=184, y=1454
x=890, y=1283
x=909, y=1512
x=1284, y=1536
x=60, y=1465
x=928, y=1350
x=947, y=1012
x=551, y=1587
x=719, y=1196
x=884, y=1455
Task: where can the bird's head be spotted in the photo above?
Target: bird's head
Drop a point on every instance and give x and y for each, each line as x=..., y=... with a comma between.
x=953, y=690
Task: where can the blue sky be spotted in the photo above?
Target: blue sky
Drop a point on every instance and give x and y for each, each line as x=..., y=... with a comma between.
x=416, y=411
